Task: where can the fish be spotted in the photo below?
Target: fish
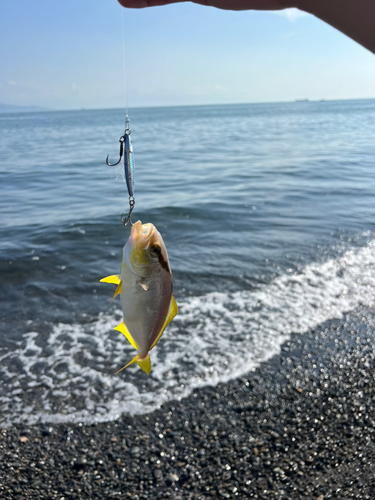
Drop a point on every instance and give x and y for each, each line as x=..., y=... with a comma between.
x=146, y=291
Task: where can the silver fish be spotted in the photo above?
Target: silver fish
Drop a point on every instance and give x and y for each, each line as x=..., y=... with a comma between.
x=146, y=290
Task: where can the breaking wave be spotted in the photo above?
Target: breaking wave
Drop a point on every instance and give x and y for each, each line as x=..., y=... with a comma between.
x=215, y=337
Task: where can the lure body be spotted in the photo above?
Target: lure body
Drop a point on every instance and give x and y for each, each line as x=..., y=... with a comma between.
x=146, y=290
x=129, y=162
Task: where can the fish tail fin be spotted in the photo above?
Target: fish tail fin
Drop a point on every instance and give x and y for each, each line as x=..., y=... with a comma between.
x=135, y=359
x=144, y=363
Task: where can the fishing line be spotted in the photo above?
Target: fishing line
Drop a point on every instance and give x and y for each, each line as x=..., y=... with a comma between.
x=126, y=148
x=124, y=57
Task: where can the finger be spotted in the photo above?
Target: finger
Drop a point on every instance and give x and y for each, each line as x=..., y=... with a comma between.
x=140, y=4
x=221, y=4
x=247, y=4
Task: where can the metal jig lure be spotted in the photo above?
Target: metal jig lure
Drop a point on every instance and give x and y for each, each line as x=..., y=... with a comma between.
x=127, y=158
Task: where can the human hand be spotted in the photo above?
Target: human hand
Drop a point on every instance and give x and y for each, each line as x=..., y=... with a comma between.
x=354, y=18
x=221, y=4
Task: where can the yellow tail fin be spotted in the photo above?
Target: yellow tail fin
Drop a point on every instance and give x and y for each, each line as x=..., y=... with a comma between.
x=144, y=363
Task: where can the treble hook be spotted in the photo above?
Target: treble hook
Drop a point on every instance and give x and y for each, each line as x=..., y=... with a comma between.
x=128, y=218
x=121, y=141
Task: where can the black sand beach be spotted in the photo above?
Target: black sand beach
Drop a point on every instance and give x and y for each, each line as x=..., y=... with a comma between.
x=300, y=426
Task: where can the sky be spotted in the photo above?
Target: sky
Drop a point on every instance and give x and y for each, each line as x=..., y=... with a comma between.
x=69, y=55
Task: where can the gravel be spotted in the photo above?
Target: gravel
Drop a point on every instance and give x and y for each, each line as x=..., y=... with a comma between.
x=300, y=426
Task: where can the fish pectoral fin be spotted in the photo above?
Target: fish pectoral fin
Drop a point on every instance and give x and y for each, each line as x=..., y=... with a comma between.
x=118, y=290
x=173, y=310
x=122, y=328
x=144, y=363
x=115, y=279
x=144, y=285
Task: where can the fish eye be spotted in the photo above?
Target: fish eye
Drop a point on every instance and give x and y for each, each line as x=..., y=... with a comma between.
x=155, y=250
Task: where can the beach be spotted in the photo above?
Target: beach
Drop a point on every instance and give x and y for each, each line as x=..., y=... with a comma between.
x=300, y=426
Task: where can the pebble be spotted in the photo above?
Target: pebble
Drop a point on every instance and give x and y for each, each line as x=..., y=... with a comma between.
x=158, y=474
x=80, y=462
x=47, y=431
x=172, y=478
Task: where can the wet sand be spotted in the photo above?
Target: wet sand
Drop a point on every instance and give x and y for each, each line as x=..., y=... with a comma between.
x=302, y=425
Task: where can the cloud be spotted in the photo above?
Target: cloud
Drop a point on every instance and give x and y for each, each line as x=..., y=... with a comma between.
x=291, y=14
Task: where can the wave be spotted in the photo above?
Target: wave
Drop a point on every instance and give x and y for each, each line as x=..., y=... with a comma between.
x=214, y=338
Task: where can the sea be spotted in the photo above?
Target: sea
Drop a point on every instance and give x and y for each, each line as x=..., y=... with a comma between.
x=268, y=215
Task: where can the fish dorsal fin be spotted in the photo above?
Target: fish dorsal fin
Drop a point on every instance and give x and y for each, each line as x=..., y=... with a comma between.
x=173, y=310
x=118, y=290
x=115, y=279
x=122, y=328
x=144, y=363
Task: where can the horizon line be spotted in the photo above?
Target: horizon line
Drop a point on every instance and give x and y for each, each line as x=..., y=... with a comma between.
x=156, y=106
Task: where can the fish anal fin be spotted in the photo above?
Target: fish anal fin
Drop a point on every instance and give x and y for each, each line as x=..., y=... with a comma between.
x=173, y=310
x=122, y=328
x=144, y=363
x=115, y=279
x=118, y=290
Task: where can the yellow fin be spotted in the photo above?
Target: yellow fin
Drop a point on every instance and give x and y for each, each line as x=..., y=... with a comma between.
x=118, y=289
x=115, y=279
x=131, y=362
x=173, y=310
x=122, y=328
x=144, y=363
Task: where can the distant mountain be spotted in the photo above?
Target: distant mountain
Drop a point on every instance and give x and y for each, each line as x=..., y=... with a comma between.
x=10, y=108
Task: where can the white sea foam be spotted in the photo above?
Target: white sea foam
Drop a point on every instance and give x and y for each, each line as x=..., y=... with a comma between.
x=215, y=337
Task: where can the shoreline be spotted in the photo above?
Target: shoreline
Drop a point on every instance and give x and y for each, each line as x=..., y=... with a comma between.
x=301, y=425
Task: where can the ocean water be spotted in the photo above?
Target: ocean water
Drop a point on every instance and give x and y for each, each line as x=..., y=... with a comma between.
x=267, y=212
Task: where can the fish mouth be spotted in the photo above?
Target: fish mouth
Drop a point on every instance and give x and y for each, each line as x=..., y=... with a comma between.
x=142, y=234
